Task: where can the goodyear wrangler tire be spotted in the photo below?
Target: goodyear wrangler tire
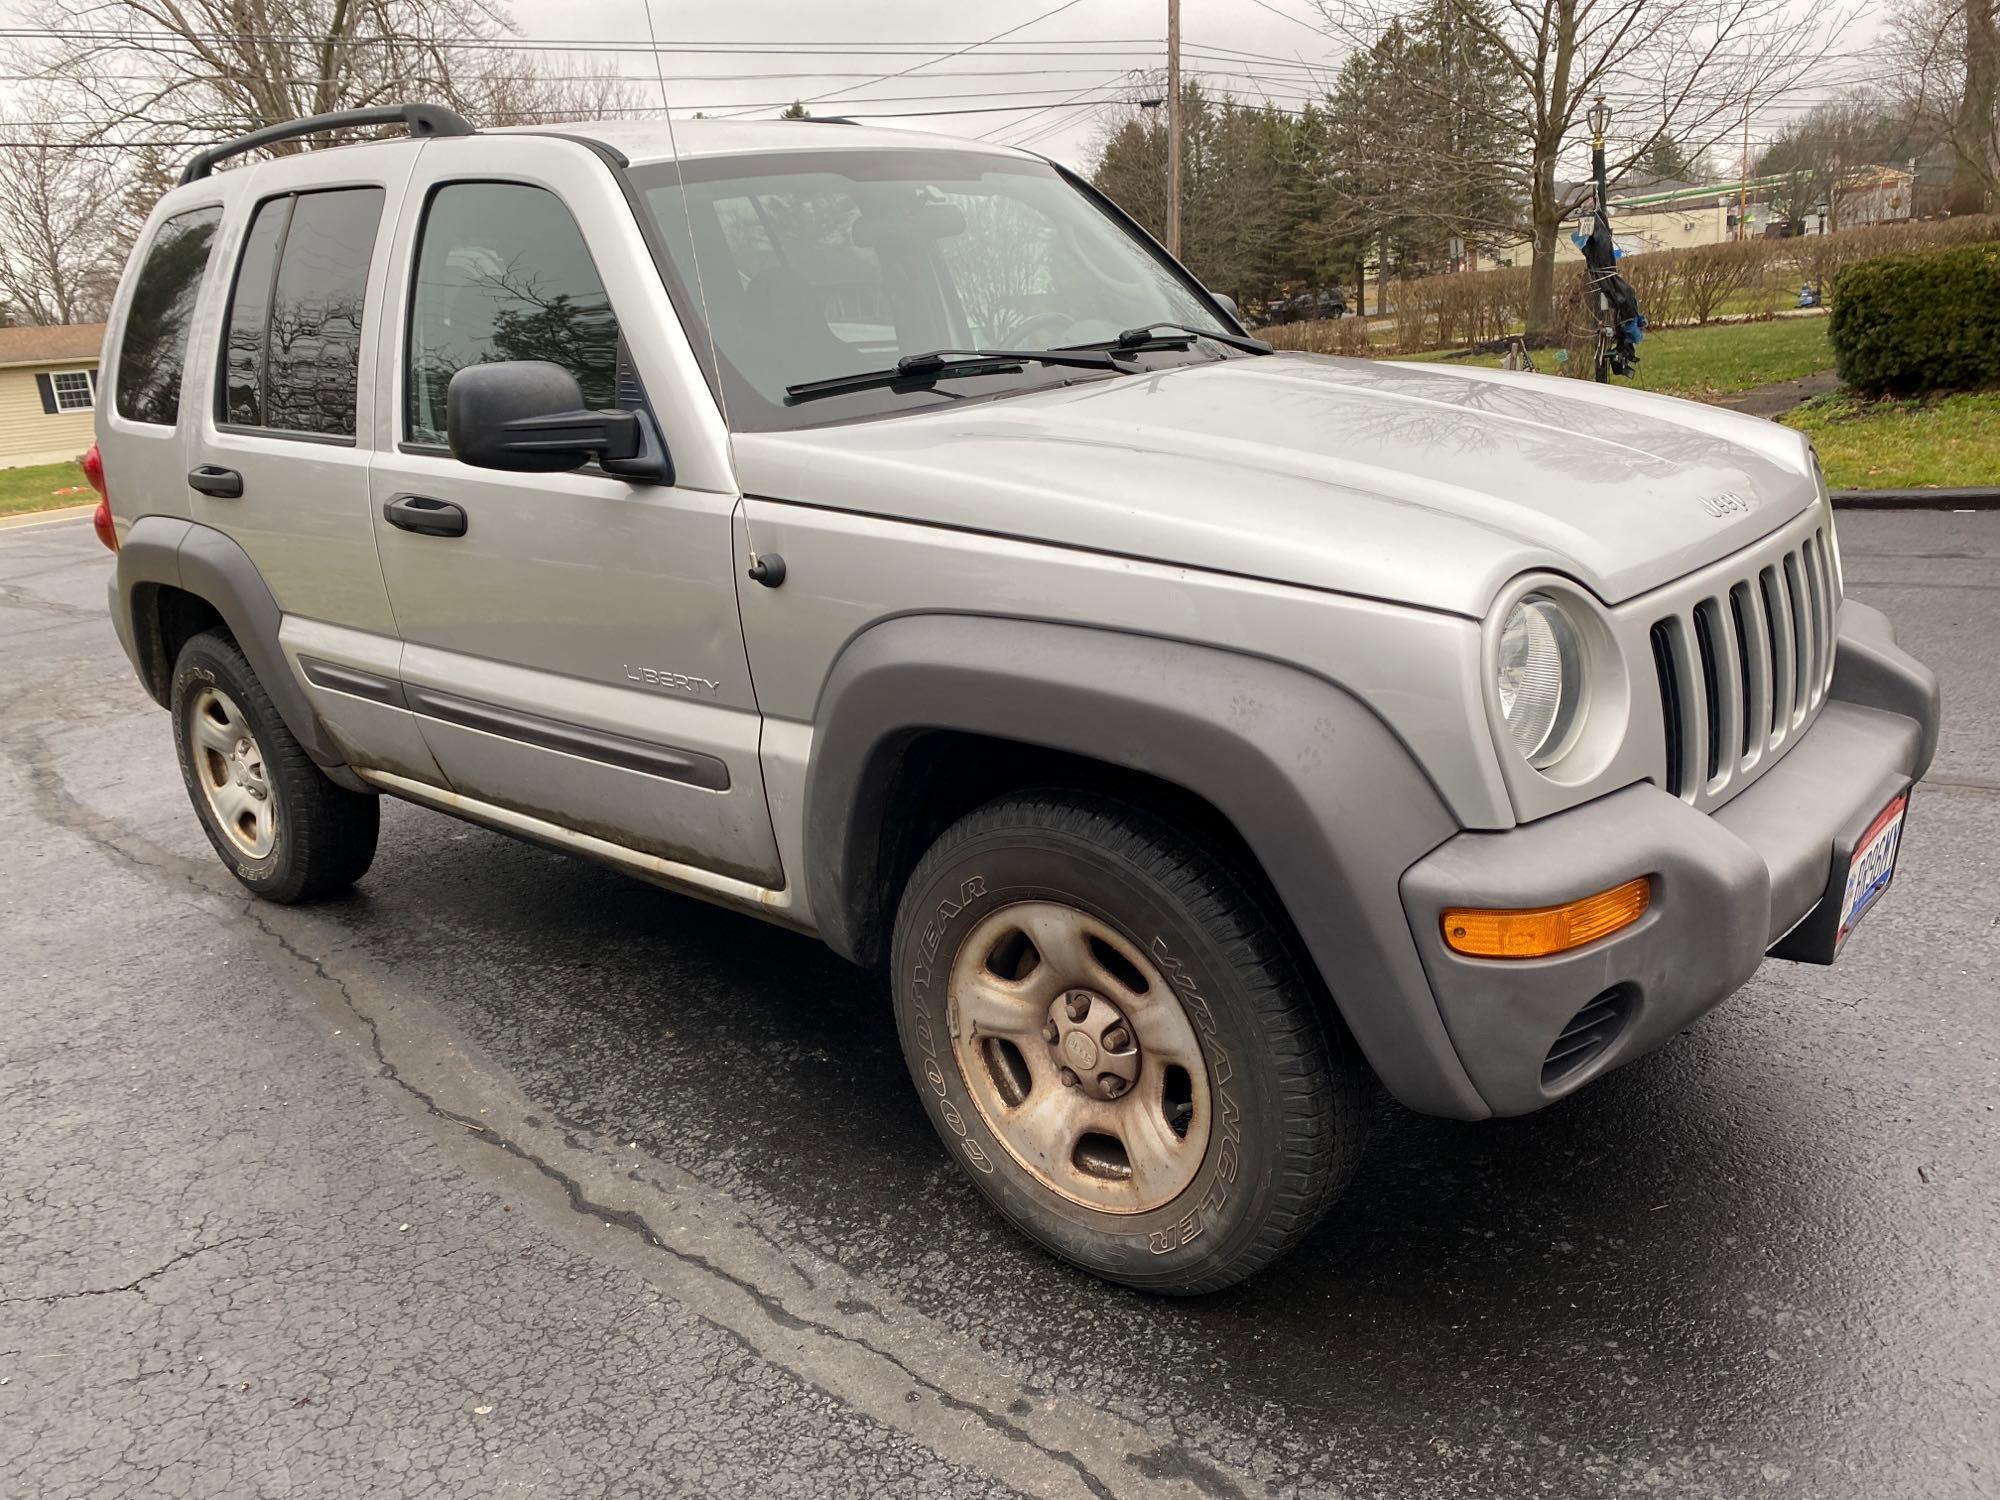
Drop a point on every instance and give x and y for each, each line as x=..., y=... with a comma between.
x=284, y=830
x=1114, y=1041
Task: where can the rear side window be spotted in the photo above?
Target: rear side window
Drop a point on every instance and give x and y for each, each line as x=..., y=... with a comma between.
x=503, y=273
x=154, y=348
x=291, y=357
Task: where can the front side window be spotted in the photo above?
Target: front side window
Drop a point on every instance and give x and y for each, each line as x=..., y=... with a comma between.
x=153, y=350
x=503, y=273
x=807, y=265
x=74, y=390
x=292, y=352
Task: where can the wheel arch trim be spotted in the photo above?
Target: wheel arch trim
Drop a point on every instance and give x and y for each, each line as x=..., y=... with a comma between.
x=1327, y=799
x=168, y=552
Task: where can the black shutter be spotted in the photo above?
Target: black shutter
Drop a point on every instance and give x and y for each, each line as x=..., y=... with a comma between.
x=48, y=389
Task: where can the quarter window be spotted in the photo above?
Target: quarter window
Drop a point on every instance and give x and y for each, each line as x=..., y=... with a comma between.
x=503, y=273
x=291, y=358
x=154, y=348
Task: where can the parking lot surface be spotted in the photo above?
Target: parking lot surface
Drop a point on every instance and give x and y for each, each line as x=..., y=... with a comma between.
x=505, y=1175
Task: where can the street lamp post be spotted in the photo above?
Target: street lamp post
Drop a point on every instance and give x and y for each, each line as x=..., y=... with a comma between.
x=1619, y=321
x=1600, y=121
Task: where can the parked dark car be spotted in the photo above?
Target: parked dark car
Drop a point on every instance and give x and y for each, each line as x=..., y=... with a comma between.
x=1304, y=307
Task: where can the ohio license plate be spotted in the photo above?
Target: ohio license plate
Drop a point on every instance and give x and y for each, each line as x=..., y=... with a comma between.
x=1874, y=863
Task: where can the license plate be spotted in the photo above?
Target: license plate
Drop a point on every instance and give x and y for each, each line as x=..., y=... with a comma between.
x=1874, y=863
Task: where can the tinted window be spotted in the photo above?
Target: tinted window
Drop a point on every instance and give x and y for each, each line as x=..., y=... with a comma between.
x=249, y=316
x=293, y=350
x=156, y=325
x=503, y=273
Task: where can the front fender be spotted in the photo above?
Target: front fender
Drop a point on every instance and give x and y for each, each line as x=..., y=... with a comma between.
x=1325, y=796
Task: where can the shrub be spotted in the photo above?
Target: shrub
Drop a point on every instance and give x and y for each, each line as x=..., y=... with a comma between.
x=1926, y=321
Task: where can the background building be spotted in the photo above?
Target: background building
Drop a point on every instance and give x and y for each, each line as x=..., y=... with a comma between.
x=48, y=392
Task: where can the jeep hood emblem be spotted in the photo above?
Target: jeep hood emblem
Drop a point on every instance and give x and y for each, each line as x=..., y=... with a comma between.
x=1728, y=503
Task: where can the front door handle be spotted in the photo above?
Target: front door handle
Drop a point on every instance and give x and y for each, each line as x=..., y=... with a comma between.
x=212, y=479
x=425, y=516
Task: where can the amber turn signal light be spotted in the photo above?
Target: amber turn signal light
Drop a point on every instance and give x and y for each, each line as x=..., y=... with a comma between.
x=1488, y=933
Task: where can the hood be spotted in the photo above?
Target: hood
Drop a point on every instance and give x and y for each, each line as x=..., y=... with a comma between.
x=1406, y=482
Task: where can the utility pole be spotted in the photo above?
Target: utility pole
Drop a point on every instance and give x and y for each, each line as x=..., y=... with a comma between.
x=1174, y=128
x=1743, y=183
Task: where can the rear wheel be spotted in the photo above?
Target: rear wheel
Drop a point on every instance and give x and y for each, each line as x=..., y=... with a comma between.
x=1112, y=1037
x=285, y=830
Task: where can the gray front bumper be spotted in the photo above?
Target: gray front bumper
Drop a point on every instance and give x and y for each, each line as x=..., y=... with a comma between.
x=1727, y=886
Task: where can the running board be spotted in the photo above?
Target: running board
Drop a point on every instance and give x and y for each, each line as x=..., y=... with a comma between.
x=688, y=880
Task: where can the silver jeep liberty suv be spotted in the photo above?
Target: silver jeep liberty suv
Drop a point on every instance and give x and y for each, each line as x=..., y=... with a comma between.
x=879, y=533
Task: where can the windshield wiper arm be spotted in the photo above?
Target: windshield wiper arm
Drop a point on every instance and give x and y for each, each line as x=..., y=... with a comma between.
x=936, y=364
x=1147, y=335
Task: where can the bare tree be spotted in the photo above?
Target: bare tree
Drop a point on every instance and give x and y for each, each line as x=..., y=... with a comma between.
x=1680, y=70
x=1820, y=156
x=59, y=250
x=1948, y=73
x=127, y=86
x=157, y=70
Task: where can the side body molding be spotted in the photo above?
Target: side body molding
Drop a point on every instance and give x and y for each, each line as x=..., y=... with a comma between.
x=1326, y=797
x=164, y=551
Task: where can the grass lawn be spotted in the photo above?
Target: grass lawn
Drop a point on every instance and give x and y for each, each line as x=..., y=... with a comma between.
x=41, y=487
x=1717, y=360
x=1946, y=441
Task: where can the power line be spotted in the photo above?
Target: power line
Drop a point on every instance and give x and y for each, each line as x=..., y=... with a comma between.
x=947, y=57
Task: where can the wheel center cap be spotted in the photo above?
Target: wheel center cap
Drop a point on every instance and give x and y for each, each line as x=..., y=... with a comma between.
x=1080, y=1050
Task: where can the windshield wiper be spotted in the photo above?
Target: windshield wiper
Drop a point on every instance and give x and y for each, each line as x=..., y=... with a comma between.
x=1178, y=334
x=936, y=364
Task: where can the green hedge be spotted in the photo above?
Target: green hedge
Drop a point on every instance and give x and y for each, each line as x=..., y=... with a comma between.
x=1927, y=321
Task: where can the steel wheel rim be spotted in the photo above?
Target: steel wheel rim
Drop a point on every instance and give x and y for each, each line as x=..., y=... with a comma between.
x=1118, y=1129
x=229, y=767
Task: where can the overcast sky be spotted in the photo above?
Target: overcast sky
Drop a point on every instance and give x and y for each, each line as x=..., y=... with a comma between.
x=1053, y=62
x=1046, y=53
x=1083, y=51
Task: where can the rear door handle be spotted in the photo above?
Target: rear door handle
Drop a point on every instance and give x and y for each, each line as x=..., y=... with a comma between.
x=211, y=479
x=425, y=516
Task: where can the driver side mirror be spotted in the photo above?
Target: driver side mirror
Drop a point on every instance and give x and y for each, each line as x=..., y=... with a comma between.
x=1228, y=306
x=527, y=416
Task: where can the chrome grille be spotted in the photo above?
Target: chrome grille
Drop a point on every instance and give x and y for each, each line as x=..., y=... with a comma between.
x=1743, y=668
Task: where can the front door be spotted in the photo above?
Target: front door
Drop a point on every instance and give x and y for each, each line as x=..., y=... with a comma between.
x=576, y=653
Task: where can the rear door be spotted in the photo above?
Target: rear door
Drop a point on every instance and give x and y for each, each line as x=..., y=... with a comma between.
x=576, y=655
x=280, y=453
x=140, y=433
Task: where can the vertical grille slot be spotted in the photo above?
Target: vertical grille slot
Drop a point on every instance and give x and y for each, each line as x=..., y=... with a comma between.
x=1803, y=651
x=1670, y=706
x=1778, y=630
x=1707, y=643
x=1753, y=662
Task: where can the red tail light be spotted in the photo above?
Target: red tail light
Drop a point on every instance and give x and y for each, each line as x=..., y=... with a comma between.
x=92, y=464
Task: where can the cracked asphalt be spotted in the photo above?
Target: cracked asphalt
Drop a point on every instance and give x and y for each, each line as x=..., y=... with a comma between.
x=506, y=1175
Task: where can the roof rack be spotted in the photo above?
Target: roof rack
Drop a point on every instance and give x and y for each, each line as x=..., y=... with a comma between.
x=422, y=120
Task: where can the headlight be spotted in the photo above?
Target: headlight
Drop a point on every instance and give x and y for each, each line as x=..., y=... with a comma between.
x=1540, y=677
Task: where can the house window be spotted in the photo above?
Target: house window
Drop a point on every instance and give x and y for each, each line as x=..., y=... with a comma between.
x=75, y=390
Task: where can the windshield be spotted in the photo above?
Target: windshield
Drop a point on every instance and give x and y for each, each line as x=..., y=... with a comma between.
x=820, y=264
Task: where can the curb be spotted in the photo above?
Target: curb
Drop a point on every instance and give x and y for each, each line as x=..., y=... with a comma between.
x=1987, y=498
x=45, y=517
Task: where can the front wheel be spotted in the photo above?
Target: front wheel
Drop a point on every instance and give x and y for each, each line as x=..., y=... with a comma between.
x=1113, y=1039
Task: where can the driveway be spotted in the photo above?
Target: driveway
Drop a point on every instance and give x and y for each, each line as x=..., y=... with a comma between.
x=504, y=1175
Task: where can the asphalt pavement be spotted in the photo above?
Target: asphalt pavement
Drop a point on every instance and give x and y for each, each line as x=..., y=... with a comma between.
x=505, y=1175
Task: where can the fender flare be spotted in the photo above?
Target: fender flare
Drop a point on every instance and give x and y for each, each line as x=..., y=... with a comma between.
x=165, y=551
x=1326, y=797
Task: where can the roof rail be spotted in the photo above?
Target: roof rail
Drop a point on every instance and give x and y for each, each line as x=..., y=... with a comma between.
x=422, y=120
